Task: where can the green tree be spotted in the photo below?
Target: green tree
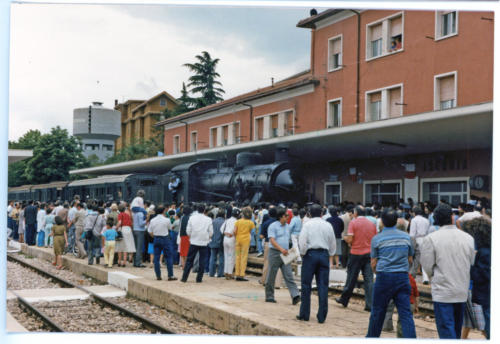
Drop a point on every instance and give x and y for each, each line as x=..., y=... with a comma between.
x=27, y=141
x=204, y=80
x=54, y=156
x=137, y=150
x=184, y=104
x=16, y=170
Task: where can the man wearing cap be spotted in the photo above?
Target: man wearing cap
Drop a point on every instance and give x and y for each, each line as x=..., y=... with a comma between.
x=317, y=245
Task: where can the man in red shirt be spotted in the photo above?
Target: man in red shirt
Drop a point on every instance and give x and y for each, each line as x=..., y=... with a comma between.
x=359, y=237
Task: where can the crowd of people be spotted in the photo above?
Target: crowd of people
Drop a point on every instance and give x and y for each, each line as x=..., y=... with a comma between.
x=450, y=249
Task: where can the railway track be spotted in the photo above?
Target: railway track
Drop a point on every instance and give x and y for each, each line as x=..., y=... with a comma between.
x=95, y=314
x=254, y=267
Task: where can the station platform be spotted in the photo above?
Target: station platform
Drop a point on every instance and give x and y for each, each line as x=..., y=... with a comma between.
x=230, y=306
x=13, y=326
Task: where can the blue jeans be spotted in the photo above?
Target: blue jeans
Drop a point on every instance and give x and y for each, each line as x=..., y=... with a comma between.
x=193, y=250
x=172, y=235
x=395, y=286
x=71, y=238
x=207, y=260
x=315, y=264
x=260, y=246
x=94, y=248
x=252, y=238
x=29, y=236
x=139, y=247
x=41, y=239
x=15, y=228
x=162, y=244
x=355, y=264
x=10, y=224
x=214, y=253
x=486, y=313
x=449, y=319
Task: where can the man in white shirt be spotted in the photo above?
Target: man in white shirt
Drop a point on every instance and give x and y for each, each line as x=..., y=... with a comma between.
x=447, y=256
x=200, y=231
x=317, y=245
x=159, y=228
x=419, y=228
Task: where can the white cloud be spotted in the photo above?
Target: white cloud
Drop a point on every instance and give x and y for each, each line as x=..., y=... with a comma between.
x=66, y=56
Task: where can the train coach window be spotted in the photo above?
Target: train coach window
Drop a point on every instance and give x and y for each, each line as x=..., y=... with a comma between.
x=147, y=182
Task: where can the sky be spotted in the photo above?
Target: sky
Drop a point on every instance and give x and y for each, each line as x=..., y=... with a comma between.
x=65, y=56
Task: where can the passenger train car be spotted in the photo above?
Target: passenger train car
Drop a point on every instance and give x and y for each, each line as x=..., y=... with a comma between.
x=111, y=187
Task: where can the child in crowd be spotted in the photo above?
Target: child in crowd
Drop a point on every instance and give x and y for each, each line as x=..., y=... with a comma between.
x=109, y=248
x=58, y=232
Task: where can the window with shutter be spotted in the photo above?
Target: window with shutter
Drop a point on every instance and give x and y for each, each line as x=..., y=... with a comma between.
x=335, y=53
x=395, y=102
x=385, y=36
x=445, y=91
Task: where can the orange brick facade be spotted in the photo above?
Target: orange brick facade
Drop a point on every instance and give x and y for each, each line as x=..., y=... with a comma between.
x=415, y=77
x=414, y=68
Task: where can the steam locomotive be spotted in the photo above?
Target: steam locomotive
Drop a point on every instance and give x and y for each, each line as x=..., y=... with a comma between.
x=249, y=180
x=207, y=180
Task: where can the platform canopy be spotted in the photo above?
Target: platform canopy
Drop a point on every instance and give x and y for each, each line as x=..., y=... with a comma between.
x=19, y=154
x=467, y=127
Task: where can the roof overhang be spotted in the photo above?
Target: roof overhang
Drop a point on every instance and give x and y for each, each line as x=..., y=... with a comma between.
x=19, y=154
x=468, y=127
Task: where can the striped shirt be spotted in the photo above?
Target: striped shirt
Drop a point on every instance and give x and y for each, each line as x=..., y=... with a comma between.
x=392, y=248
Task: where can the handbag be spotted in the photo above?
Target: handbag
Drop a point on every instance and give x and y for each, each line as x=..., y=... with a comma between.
x=89, y=234
x=119, y=236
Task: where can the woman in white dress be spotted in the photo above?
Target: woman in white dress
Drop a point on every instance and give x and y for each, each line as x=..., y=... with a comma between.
x=126, y=245
x=227, y=230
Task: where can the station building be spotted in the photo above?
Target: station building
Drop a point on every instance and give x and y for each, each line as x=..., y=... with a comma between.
x=396, y=104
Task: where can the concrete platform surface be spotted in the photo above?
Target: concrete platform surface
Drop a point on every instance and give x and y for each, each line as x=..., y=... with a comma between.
x=236, y=307
x=13, y=325
x=65, y=294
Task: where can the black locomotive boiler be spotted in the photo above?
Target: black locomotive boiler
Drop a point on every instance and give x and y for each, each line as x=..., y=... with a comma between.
x=249, y=180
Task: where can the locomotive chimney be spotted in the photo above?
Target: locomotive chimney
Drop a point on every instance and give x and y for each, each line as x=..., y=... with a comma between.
x=281, y=154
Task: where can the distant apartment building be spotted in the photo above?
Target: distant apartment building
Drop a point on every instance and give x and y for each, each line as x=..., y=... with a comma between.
x=98, y=128
x=138, y=118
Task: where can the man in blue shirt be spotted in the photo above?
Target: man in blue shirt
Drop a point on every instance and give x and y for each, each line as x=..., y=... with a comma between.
x=391, y=253
x=279, y=237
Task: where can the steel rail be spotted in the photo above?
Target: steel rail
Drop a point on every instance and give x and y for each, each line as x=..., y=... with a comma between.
x=38, y=313
x=255, y=268
x=150, y=325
